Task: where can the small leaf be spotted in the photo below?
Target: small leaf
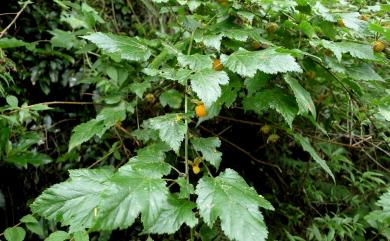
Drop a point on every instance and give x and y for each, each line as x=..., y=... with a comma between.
x=303, y=98
x=206, y=84
x=208, y=148
x=304, y=142
x=171, y=129
x=361, y=51
x=126, y=47
x=81, y=236
x=14, y=234
x=12, y=101
x=58, y=236
x=230, y=199
x=195, y=61
x=246, y=63
x=171, y=97
x=40, y=107
x=32, y=224
x=307, y=28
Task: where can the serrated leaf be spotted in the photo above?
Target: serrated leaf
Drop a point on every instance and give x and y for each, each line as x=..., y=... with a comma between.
x=12, y=101
x=6, y=43
x=128, y=48
x=361, y=51
x=81, y=236
x=186, y=189
x=352, y=21
x=303, y=98
x=72, y=202
x=259, y=81
x=139, y=88
x=273, y=98
x=129, y=193
x=173, y=216
x=32, y=224
x=206, y=84
x=195, y=61
x=107, y=118
x=247, y=63
x=14, y=234
x=171, y=129
x=58, y=236
x=230, y=199
x=208, y=148
x=363, y=72
x=305, y=143
x=307, y=28
x=172, y=98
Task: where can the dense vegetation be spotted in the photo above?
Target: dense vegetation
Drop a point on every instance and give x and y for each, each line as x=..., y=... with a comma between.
x=194, y=120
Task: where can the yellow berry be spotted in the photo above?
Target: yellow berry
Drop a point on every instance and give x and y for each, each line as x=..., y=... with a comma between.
x=150, y=98
x=200, y=110
x=273, y=138
x=272, y=27
x=195, y=169
x=363, y=17
x=217, y=65
x=265, y=129
x=310, y=74
x=340, y=23
x=378, y=46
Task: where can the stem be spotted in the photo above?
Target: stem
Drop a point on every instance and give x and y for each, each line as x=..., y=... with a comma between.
x=16, y=17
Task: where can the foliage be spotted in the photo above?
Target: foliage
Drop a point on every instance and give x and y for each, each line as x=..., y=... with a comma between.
x=136, y=106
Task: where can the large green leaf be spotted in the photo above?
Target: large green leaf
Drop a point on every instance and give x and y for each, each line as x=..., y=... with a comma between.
x=230, y=199
x=173, y=216
x=107, y=118
x=171, y=97
x=129, y=193
x=302, y=96
x=206, y=84
x=171, y=129
x=305, y=143
x=208, y=148
x=363, y=72
x=247, y=63
x=126, y=47
x=273, y=98
x=58, y=236
x=72, y=202
x=195, y=61
x=361, y=51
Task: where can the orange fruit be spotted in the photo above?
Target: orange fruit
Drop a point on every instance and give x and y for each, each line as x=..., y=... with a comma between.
x=200, y=110
x=217, y=65
x=256, y=45
x=310, y=74
x=363, y=17
x=378, y=46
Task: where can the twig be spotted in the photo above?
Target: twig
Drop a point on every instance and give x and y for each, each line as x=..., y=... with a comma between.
x=16, y=225
x=241, y=149
x=240, y=121
x=375, y=161
x=101, y=159
x=14, y=20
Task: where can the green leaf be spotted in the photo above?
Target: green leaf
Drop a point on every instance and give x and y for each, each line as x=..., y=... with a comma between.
x=186, y=189
x=352, y=21
x=230, y=199
x=195, y=61
x=40, y=107
x=173, y=216
x=206, y=84
x=72, y=202
x=208, y=148
x=305, y=143
x=6, y=43
x=303, y=98
x=270, y=61
x=81, y=236
x=62, y=39
x=12, y=101
x=32, y=224
x=384, y=110
x=139, y=88
x=58, y=236
x=126, y=47
x=273, y=98
x=259, y=81
x=361, y=51
x=34, y=158
x=171, y=97
x=129, y=193
x=363, y=72
x=14, y=234
x=107, y=118
x=171, y=129
x=306, y=27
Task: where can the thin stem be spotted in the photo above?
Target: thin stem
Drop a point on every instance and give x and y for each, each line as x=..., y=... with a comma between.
x=14, y=20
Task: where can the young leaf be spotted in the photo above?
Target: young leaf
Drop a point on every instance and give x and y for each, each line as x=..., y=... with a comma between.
x=208, y=148
x=32, y=224
x=173, y=216
x=270, y=61
x=171, y=129
x=303, y=98
x=81, y=236
x=304, y=142
x=275, y=99
x=171, y=97
x=195, y=61
x=206, y=84
x=126, y=47
x=230, y=199
x=14, y=234
x=72, y=202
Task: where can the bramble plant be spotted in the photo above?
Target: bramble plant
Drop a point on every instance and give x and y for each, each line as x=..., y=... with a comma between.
x=301, y=70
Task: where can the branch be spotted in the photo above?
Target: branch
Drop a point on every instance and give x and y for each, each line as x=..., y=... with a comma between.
x=16, y=17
